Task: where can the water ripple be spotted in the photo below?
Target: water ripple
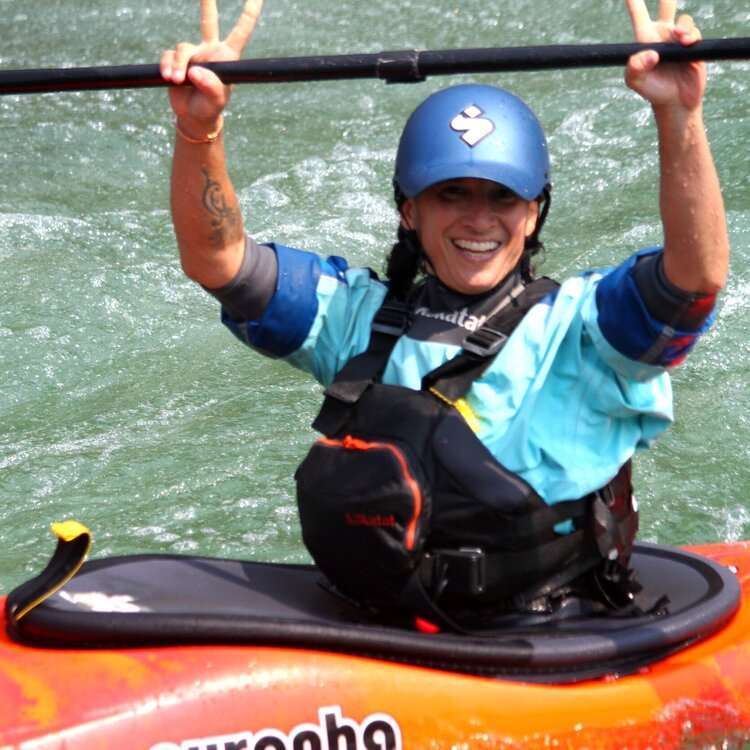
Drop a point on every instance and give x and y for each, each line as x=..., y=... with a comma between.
x=123, y=400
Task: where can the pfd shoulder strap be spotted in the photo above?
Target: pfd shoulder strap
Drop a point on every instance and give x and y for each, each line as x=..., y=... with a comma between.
x=452, y=379
x=391, y=322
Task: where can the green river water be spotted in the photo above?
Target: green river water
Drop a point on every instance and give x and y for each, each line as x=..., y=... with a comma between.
x=125, y=404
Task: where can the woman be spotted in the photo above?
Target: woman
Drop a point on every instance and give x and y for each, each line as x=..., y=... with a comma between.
x=513, y=406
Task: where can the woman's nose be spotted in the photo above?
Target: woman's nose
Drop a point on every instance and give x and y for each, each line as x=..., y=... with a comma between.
x=479, y=215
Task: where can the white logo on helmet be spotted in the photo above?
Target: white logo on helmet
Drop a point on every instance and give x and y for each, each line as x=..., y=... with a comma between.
x=472, y=127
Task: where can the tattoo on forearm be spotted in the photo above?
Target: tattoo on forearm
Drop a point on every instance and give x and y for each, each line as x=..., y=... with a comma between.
x=224, y=216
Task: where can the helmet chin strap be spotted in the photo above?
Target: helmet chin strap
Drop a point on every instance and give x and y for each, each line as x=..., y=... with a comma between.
x=544, y=201
x=533, y=245
x=398, y=195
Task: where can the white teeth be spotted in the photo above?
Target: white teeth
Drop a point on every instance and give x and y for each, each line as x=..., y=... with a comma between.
x=476, y=246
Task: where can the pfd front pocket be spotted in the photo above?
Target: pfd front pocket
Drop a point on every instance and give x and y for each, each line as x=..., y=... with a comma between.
x=362, y=506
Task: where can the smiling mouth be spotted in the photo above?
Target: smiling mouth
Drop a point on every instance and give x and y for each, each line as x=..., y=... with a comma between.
x=477, y=247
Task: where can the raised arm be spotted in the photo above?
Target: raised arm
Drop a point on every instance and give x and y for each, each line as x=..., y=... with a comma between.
x=696, y=244
x=205, y=211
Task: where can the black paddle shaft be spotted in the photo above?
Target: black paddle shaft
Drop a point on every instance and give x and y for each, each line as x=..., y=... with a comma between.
x=401, y=66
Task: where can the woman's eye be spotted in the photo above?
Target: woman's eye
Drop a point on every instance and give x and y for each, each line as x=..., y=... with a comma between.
x=504, y=196
x=451, y=194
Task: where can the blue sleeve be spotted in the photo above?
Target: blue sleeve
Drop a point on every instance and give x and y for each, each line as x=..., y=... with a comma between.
x=629, y=327
x=319, y=316
x=290, y=313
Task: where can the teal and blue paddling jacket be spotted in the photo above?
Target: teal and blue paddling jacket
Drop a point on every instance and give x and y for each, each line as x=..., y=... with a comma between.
x=581, y=384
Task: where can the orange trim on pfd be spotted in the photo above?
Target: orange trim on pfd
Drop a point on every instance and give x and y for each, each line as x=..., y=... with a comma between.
x=350, y=442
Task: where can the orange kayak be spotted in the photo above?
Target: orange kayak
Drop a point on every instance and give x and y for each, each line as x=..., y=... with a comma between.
x=261, y=697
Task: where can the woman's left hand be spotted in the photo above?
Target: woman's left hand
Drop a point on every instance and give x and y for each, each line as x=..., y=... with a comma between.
x=680, y=85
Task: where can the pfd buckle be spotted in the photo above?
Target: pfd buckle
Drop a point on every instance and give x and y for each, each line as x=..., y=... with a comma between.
x=460, y=570
x=392, y=319
x=484, y=342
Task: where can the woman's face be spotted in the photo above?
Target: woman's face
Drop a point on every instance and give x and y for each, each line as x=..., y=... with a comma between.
x=472, y=230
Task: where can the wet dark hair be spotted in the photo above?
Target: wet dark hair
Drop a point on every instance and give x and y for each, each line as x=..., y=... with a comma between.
x=405, y=262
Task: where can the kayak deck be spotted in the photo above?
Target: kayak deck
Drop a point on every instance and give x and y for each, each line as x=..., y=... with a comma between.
x=244, y=696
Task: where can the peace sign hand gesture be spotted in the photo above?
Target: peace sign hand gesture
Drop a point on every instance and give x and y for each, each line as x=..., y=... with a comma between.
x=199, y=107
x=682, y=84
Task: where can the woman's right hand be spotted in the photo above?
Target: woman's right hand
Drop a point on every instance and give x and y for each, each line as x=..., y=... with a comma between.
x=198, y=107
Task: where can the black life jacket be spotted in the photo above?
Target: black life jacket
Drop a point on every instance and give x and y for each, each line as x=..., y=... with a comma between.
x=404, y=509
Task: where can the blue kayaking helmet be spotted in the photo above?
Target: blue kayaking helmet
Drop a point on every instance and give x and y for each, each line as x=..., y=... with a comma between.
x=473, y=130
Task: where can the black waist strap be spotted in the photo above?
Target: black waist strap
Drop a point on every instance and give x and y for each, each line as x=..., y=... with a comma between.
x=472, y=572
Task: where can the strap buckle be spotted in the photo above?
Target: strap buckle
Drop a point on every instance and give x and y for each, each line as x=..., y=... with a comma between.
x=484, y=342
x=462, y=570
x=606, y=532
x=391, y=319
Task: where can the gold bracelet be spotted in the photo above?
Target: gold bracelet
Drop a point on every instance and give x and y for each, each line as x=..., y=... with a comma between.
x=208, y=138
